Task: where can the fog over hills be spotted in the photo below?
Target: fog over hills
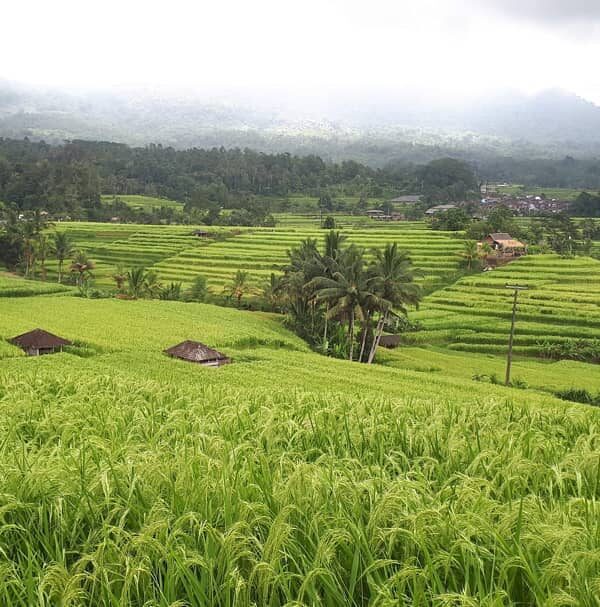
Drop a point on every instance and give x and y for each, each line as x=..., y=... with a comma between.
x=343, y=124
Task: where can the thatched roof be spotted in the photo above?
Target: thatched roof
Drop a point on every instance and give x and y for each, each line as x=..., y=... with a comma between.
x=39, y=339
x=390, y=341
x=196, y=352
x=506, y=240
x=410, y=199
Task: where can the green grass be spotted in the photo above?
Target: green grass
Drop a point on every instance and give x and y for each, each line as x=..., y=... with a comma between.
x=285, y=478
x=146, y=203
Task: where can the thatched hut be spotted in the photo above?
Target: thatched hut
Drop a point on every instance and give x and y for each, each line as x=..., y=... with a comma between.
x=39, y=342
x=389, y=341
x=195, y=352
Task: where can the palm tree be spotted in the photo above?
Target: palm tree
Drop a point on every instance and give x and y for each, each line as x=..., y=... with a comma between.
x=152, y=283
x=29, y=238
x=470, y=253
x=142, y=283
x=42, y=251
x=392, y=278
x=120, y=276
x=345, y=291
x=271, y=291
x=239, y=286
x=333, y=244
x=63, y=248
x=83, y=266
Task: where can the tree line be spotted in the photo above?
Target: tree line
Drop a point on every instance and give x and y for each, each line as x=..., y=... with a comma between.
x=340, y=302
x=69, y=179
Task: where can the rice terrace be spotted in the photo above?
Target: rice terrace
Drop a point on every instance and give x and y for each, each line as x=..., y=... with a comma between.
x=300, y=325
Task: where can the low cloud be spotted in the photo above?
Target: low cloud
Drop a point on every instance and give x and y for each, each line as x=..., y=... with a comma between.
x=555, y=12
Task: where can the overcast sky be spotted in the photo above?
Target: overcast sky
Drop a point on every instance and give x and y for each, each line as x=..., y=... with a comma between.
x=445, y=47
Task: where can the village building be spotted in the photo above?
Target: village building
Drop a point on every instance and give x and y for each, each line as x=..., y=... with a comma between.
x=439, y=208
x=409, y=199
x=196, y=352
x=39, y=342
x=504, y=245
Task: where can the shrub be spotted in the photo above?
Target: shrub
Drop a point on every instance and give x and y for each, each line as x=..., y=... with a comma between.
x=579, y=395
x=198, y=290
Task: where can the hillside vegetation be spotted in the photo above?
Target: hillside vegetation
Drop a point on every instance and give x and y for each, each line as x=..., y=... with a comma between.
x=283, y=478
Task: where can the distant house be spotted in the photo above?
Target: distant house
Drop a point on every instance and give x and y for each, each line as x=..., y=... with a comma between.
x=505, y=245
x=439, y=208
x=201, y=234
x=375, y=213
x=196, y=352
x=39, y=342
x=410, y=199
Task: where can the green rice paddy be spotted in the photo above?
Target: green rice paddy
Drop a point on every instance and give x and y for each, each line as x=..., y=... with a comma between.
x=177, y=255
x=563, y=302
x=285, y=478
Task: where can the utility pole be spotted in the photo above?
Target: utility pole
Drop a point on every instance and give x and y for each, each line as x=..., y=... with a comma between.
x=516, y=289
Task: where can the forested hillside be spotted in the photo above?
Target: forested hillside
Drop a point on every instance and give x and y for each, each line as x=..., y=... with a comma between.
x=72, y=177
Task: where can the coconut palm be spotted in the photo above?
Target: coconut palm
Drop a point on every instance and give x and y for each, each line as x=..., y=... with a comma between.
x=63, y=249
x=333, y=244
x=272, y=290
x=120, y=277
x=392, y=278
x=142, y=283
x=42, y=251
x=82, y=266
x=346, y=291
x=470, y=254
x=29, y=239
x=240, y=286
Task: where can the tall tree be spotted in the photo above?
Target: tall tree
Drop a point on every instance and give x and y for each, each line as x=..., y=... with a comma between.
x=63, y=249
x=392, y=278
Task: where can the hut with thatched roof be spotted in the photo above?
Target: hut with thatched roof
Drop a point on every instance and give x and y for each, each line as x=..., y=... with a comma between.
x=195, y=352
x=38, y=342
x=389, y=341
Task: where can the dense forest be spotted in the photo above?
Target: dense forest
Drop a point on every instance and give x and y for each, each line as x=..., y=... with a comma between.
x=70, y=179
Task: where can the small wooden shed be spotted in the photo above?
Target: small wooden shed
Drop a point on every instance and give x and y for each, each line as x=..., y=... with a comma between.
x=39, y=342
x=389, y=341
x=201, y=234
x=504, y=244
x=196, y=352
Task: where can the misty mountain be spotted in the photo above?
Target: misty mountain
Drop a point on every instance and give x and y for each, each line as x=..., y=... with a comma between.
x=551, y=124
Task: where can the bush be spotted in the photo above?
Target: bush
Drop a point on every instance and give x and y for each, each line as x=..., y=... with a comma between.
x=579, y=395
x=199, y=290
x=329, y=223
x=584, y=350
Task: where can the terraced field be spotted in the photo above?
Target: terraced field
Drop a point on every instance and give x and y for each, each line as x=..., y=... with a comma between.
x=110, y=245
x=563, y=302
x=262, y=251
x=177, y=255
x=12, y=286
x=145, y=203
